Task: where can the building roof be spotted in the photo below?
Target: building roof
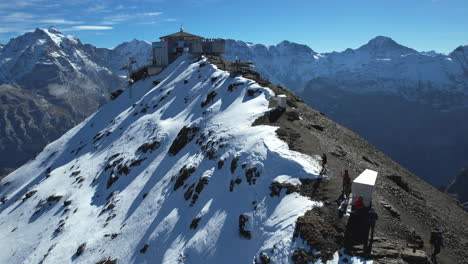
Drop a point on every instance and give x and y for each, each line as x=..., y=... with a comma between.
x=182, y=34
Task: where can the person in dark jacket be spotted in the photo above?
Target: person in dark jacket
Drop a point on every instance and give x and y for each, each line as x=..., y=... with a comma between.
x=324, y=160
x=437, y=241
x=324, y=163
x=346, y=184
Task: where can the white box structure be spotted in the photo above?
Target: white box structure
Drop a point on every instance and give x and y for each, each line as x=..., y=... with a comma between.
x=281, y=99
x=364, y=185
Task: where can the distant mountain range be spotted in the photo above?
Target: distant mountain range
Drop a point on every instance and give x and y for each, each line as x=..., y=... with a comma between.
x=412, y=105
x=50, y=82
x=381, y=65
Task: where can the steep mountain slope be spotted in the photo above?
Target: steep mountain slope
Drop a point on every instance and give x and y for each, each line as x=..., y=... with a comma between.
x=134, y=144
x=63, y=82
x=192, y=170
x=28, y=122
x=409, y=104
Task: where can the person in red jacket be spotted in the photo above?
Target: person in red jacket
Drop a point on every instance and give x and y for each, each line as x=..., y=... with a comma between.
x=358, y=203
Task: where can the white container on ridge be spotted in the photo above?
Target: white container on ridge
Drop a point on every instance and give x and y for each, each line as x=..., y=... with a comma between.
x=281, y=99
x=364, y=186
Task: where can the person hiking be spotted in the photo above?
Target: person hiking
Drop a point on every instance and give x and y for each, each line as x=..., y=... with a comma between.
x=324, y=163
x=437, y=241
x=346, y=184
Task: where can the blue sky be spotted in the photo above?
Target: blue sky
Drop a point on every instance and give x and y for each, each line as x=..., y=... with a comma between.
x=324, y=25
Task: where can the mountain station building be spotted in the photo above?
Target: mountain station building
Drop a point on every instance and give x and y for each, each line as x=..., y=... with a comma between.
x=172, y=46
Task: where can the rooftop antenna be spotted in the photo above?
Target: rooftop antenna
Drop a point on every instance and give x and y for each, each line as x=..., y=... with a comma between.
x=181, y=28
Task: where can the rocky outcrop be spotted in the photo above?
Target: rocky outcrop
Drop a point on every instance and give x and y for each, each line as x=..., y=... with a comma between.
x=385, y=251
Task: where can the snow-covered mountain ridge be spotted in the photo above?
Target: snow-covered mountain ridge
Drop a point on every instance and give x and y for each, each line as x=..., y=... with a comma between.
x=49, y=47
x=125, y=152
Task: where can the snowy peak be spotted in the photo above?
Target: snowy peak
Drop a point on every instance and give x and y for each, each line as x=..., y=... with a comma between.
x=382, y=42
x=287, y=47
x=118, y=57
x=66, y=82
x=460, y=55
x=384, y=46
x=133, y=44
x=24, y=55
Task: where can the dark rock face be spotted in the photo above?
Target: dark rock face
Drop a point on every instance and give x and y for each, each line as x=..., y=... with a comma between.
x=264, y=259
x=185, y=135
x=316, y=227
x=209, y=99
x=149, y=146
x=184, y=173
x=27, y=123
x=144, y=248
x=116, y=94
x=194, y=223
x=108, y=260
x=242, y=229
x=80, y=249
x=301, y=256
x=415, y=256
